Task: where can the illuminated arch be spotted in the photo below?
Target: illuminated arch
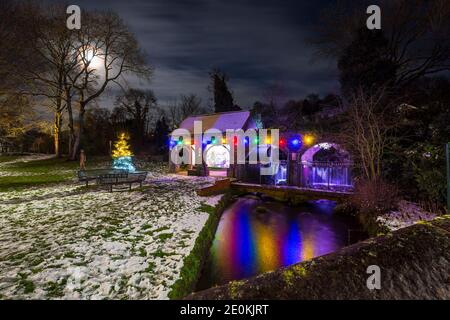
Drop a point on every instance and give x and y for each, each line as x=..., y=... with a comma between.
x=326, y=165
x=218, y=156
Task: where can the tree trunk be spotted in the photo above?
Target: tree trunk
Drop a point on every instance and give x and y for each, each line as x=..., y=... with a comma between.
x=70, y=125
x=57, y=133
x=76, y=146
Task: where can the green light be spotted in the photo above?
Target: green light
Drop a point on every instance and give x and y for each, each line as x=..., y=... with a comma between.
x=256, y=141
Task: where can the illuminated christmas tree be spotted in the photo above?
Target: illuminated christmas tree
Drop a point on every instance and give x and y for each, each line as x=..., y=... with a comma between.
x=122, y=155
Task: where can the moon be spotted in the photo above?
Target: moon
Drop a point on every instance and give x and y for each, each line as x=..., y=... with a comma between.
x=95, y=62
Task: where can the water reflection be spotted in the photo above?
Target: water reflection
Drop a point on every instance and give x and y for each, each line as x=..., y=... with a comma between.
x=256, y=236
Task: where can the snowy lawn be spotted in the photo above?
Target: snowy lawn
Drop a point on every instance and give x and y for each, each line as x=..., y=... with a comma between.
x=71, y=242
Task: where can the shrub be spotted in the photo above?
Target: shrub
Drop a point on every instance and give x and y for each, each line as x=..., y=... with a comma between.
x=373, y=198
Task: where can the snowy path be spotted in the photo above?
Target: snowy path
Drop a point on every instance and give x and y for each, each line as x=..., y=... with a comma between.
x=68, y=242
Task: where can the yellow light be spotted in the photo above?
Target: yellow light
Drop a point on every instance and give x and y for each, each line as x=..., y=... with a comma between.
x=308, y=139
x=268, y=140
x=224, y=140
x=121, y=147
x=188, y=142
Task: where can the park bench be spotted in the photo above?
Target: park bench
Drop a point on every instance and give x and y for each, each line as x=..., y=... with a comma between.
x=121, y=178
x=89, y=175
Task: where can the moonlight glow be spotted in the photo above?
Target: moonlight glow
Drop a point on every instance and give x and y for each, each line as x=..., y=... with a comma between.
x=93, y=58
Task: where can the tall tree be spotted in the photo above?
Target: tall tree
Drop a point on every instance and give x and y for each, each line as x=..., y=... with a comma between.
x=136, y=105
x=161, y=134
x=366, y=63
x=108, y=51
x=16, y=58
x=53, y=46
x=223, y=98
x=416, y=32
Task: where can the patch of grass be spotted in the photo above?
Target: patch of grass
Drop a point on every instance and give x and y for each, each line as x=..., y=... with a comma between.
x=49, y=165
x=40, y=172
x=165, y=236
x=37, y=261
x=55, y=289
x=146, y=226
x=150, y=268
x=70, y=255
x=207, y=208
x=161, y=254
x=142, y=252
x=18, y=183
x=193, y=263
x=27, y=285
x=8, y=158
x=160, y=229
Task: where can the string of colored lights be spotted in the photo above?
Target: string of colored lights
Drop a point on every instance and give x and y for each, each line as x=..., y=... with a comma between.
x=294, y=143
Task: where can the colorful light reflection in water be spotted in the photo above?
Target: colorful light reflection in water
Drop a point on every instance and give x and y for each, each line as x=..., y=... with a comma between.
x=254, y=236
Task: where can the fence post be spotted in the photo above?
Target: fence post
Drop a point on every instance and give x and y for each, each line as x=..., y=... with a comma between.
x=448, y=176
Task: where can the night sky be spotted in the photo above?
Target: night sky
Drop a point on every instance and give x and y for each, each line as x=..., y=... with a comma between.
x=258, y=43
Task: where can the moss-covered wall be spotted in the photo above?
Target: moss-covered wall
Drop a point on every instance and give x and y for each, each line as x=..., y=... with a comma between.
x=193, y=263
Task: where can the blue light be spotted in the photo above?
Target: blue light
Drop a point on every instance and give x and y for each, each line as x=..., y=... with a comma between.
x=124, y=163
x=295, y=143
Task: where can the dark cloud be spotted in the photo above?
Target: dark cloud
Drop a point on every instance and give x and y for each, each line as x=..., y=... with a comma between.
x=257, y=43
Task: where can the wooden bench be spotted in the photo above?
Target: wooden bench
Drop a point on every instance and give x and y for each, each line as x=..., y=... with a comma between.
x=120, y=178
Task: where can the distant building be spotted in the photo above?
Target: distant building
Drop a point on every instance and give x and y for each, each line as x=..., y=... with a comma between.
x=6, y=145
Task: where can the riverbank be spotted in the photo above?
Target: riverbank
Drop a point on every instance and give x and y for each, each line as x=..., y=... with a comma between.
x=194, y=262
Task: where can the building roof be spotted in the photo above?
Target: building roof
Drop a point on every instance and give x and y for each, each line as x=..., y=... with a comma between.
x=222, y=121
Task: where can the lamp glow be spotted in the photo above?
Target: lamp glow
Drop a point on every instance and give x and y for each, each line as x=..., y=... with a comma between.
x=308, y=139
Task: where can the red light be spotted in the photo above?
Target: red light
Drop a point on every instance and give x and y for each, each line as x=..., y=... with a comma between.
x=282, y=142
x=235, y=140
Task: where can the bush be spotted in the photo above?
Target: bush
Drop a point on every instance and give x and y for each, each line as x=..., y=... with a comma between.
x=429, y=173
x=373, y=198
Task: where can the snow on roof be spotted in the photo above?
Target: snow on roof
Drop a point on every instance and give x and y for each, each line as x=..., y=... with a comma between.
x=222, y=121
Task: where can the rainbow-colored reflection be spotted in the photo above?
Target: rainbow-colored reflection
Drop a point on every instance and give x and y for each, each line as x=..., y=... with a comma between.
x=254, y=236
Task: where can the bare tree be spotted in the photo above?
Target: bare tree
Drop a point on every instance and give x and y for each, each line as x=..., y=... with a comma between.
x=367, y=131
x=52, y=47
x=17, y=20
x=417, y=32
x=15, y=115
x=108, y=50
x=189, y=105
x=16, y=32
x=135, y=105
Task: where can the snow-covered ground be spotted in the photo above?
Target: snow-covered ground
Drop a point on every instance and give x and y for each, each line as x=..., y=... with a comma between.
x=69, y=242
x=408, y=213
